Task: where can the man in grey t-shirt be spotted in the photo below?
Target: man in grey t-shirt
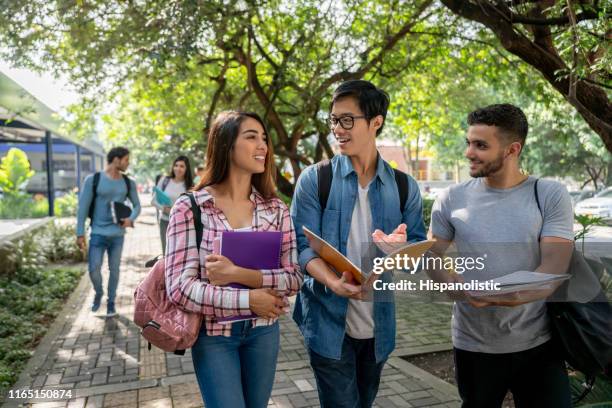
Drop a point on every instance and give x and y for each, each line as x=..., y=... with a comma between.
x=504, y=343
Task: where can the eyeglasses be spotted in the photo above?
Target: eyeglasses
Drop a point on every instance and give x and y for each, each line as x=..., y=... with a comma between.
x=346, y=122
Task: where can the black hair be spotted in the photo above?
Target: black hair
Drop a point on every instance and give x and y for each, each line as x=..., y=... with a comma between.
x=119, y=152
x=508, y=118
x=188, y=175
x=372, y=101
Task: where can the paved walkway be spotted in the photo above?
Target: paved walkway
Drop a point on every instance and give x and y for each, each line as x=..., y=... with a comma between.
x=105, y=363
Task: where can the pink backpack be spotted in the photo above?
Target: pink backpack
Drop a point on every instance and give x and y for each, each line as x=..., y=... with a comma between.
x=163, y=323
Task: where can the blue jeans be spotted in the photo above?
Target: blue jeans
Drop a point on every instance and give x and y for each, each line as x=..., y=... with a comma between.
x=98, y=244
x=352, y=381
x=237, y=371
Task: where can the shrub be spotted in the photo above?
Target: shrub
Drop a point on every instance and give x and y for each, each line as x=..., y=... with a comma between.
x=32, y=252
x=14, y=172
x=66, y=206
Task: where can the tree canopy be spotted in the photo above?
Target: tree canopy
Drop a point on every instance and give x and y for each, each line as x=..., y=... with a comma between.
x=168, y=67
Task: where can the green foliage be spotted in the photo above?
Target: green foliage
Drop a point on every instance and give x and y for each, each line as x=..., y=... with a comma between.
x=25, y=206
x=586, y=223
x=14, y=172
x=599, y=397
x=427, y=205
x=28, y=303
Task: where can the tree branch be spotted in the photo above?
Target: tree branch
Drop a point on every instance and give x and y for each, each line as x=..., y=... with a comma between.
x=562, y=20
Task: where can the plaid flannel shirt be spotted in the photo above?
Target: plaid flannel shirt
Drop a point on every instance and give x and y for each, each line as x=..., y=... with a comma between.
x=186, y=280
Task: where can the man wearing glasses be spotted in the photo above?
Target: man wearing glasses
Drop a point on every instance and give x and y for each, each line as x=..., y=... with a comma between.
x=348, y=338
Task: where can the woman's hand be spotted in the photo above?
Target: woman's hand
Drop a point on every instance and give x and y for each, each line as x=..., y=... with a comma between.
x=266, y=303
x=220, y=270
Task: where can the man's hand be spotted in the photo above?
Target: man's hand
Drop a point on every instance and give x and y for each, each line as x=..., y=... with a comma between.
x=220, y=270
x=266, y=303
x=80, y=241
x=389, y=243
x=346, y=286
x=126, y=222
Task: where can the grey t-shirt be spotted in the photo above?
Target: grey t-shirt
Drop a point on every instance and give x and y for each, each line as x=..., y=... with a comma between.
x=504, y=224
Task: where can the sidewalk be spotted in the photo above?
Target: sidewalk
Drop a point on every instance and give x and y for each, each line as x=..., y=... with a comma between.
x=105, y=363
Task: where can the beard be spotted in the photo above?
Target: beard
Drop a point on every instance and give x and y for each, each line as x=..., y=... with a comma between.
x=490, y=167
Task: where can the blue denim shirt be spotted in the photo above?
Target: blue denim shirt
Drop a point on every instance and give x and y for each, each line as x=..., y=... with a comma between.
x=319, y=312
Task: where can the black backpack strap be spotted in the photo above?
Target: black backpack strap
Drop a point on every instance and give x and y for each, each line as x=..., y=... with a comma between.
x=324, y=176
x=165, y=183
x=127, y=184
x=197, y=219
x=401, y=179
x=537, y=198
x=96, y=181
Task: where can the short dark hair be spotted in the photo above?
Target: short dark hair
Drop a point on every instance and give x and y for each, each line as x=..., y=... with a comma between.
x=372, y=101
x=200, y=167
x=119, y=152
x=508, y=118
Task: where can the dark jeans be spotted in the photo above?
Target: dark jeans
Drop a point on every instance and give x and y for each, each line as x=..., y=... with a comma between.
x=536, y=377
x=352, y=381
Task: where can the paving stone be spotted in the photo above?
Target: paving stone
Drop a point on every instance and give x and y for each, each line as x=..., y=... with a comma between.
x=157, y=403
x=76, y=403
x=121, y=398
x=154, y=393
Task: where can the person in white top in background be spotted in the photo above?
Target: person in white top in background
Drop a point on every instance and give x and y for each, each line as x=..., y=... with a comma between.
x=179, y=181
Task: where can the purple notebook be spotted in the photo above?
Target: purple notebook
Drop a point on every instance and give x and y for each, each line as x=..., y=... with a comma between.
x=251, y=250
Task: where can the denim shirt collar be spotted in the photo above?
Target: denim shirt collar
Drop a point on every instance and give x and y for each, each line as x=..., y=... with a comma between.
x=383, y=173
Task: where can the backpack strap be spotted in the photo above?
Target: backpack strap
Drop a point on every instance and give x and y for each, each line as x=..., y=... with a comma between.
x=401, y=180
x=324, y=176
x=537, y=198
x=127, y=184
x=197, y=219
x=96, y=181
x=165, y=183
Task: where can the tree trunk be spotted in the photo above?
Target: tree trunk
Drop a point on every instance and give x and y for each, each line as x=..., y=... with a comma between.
x=590, y=101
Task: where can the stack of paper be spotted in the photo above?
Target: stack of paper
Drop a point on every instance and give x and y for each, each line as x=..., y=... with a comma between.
x=521, y=280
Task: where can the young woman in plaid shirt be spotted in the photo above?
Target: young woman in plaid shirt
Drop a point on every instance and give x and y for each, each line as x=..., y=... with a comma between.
x=234, y=363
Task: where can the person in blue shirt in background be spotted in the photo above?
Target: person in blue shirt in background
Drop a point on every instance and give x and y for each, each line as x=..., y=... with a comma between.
x=105, y=235
x=349, y=339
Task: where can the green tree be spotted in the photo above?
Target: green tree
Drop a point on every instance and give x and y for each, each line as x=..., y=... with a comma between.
x=280, y=58
x=568, y=42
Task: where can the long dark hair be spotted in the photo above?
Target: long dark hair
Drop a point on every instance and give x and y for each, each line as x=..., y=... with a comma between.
x=221, y=139
x=188, y=175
